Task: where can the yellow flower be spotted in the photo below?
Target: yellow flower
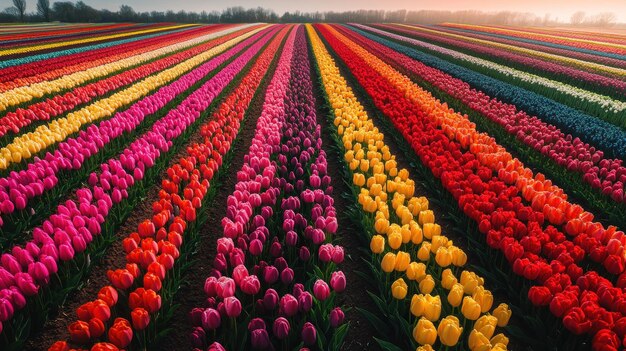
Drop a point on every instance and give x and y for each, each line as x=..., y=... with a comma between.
x=381, y=225
x=377, y=244
x=484, y=298
x=388, y=263
x=427, y=284
x=431, y=230
x=416, y=271
x=365, y=165
x=500, y=339
x=395, y=240
x=498, y=347
x=399, y=289
x=448, y=279
x=426, y=217
x=486, y=325
x=425, y=347
x=403, y=259
x=424, y=332
x=459, y=258
x=503, y=313
x=449, y=331
x=438, y=241
x=470, y=281
x=424, y=252
x=432, y=308
x=477, y=340
x=455, y=296
x=416, y=233
x=418, y=304
x=470, y=308
x=443, y=257
x=358, y=179
x=406, y=234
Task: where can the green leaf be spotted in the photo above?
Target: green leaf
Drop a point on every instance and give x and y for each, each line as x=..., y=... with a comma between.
x=385, y=345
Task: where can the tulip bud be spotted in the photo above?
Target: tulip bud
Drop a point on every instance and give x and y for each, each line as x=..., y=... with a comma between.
x=449, y=331
x=338, y=281
x=477, y=340
x=455, y=296
x=503, y=313
x=321, y=290
x=388, y=263
x=424, y=332
x=399, y=289
x=470, y=308
x=427, y=284
x=288, y=305
x=281, y=328
x=211, y=319
x=309, y=334
x=336, y=317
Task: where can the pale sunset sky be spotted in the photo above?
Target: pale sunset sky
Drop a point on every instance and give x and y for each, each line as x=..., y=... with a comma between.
x=562, y=9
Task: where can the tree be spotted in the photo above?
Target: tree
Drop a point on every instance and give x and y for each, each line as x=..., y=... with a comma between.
x=605, y=19
x=577, y=18
x=127, y=14
x=20, y=5
x=43, y=9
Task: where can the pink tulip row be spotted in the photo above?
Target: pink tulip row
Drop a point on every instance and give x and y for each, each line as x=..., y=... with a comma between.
x=278, y=226
x=536, y=64
x=602, y=173
x=72, y=228
x=20, y=188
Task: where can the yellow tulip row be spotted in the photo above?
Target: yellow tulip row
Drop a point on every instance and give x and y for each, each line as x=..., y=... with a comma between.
x=408, y=228
x=26, y=93
x=25, y=49
x=28, y=144
x=543, y=55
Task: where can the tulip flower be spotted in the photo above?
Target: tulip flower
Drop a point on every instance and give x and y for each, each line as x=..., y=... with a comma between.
x=484, y=298
x=259, y=339
x=309, y=334
x=281, y=328
x=470, y=308
x=455, y=296
x=427, y=284
x=79, y=332
x=120, y=333
x=388, y=263
x=399, y=289
x=424, y=332
x=336, y=317
x=321, y=290
x=232, y=307
x=503, y=314
x=377, y=244
x=338, y=281
x=140, y=318
x=449, y=331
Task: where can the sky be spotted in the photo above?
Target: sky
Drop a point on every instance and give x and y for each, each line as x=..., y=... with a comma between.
x=562, y=9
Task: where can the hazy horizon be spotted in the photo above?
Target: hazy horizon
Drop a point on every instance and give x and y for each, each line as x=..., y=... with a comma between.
x=561, y=9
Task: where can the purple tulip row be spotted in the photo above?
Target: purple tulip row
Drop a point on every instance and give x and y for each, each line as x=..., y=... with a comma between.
x=278, y=228
x=19, y=188
x=72, y=228
x=536, y=64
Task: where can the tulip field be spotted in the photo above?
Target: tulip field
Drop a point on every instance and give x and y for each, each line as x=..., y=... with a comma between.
x=311, y=187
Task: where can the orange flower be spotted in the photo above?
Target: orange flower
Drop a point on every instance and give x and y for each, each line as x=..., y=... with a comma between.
x=96, y=327
x=109, y=295
x=140, y=318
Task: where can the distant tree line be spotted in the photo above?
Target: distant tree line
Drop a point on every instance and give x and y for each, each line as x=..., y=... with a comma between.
x=67, y=11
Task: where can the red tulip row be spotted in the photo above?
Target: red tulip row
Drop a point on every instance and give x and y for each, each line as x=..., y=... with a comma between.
x=153, y=250
x=586, y=301
x=603, y=174
x=39, y=71
x=277, y=222
x=57, y=105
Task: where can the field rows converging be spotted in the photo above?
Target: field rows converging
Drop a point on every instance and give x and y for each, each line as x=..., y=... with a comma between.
x=311, y=187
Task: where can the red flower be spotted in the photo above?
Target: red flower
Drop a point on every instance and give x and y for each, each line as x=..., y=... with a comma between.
x=539, y=295
x=576, y=321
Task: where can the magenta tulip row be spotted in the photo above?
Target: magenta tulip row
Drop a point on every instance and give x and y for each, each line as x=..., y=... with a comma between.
x=279, y=225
